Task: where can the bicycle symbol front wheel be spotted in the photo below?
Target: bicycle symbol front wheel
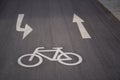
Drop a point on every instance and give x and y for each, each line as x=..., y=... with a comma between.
x=70, y=62
x=26, y=58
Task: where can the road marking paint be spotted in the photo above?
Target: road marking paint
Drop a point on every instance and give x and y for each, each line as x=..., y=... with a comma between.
x=58, y=56
x=27, y=29
x=83, y=31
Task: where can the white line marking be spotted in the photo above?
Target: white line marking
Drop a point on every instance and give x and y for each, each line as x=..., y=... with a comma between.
x=59, y=55
x=83, y=31
x=27, y=29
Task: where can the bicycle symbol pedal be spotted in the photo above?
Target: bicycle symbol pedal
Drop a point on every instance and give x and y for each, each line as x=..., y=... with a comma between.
x=60, y=56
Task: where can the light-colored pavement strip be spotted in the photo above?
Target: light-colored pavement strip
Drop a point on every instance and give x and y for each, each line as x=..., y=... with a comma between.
x=113, y=6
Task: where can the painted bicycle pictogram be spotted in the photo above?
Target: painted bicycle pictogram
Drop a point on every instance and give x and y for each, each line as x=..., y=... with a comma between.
x=60, y=56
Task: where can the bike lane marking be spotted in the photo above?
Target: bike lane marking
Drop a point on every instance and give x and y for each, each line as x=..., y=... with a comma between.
x=83, y=31
x=26, y=30
x=37, y=54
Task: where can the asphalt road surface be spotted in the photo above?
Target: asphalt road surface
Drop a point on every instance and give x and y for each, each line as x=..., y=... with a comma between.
x=52, y=26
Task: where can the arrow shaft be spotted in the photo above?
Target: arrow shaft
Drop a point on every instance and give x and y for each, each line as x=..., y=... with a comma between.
x=19, y=22
x=83, y=31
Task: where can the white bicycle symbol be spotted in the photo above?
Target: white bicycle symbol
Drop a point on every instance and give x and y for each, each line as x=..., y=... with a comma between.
x=59, y=56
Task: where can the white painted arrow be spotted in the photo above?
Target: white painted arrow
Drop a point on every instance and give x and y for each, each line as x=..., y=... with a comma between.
x=26, y=30
x=83, y=31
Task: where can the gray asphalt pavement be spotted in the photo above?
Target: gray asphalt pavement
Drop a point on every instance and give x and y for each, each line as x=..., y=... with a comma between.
x=52, y=24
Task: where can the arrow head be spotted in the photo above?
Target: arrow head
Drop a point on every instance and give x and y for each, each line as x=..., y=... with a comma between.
x=27, y=30
x=77, y=18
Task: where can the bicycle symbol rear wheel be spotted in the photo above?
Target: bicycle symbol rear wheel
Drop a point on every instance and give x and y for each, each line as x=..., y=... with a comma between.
x=20, y=62
x=62, y=61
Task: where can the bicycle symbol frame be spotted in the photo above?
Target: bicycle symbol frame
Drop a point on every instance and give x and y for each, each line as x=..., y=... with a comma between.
x=38, y=53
